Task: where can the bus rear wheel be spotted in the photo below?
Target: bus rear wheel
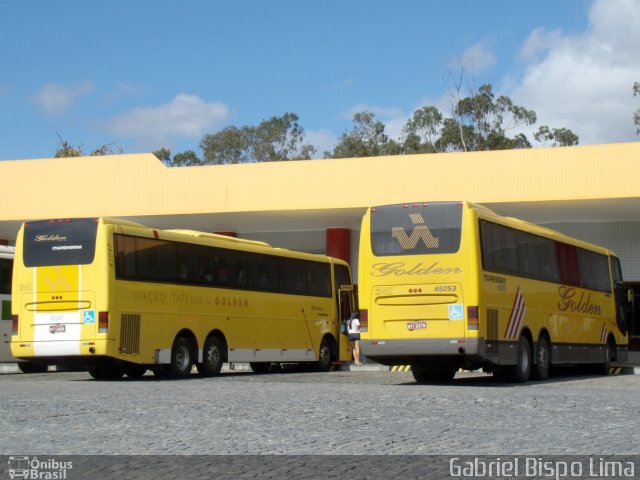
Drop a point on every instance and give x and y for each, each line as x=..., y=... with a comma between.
x=30, y=367
x=260, y=367
x=543, y=360
x=521, y=371
x=181, y=359
x=135, y=371
x=112, y=372
x=213, y=358
x=432, y=373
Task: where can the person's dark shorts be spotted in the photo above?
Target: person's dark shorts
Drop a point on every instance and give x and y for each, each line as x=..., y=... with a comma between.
x=354, y=336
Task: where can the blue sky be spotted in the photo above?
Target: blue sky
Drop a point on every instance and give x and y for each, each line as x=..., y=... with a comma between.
x=148, y=74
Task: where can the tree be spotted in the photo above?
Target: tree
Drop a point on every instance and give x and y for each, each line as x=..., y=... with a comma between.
x=422, y=131
x=365, y=139
x=479, y=121
x=561, y=137
x=66, y=149
x=636, y=115
x=188, y=158
x=276, y=139
x=163, y=154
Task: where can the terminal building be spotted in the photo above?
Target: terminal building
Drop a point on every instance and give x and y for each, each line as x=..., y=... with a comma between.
x=589, y=192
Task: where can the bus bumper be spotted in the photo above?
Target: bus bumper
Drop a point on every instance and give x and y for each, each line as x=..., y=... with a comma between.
x=390, y=351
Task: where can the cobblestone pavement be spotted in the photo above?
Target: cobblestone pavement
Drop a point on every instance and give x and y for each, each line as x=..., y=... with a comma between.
x=350, y=413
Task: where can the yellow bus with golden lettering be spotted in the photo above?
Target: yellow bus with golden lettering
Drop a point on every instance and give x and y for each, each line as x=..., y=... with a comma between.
x=121, y=298
x=449, y=285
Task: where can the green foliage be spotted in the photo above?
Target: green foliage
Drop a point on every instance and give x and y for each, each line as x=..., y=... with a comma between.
x=66, y=149
x=275, y=139
x=163, y=154
x=366, y=139
x=478, y=122
x=560, y=137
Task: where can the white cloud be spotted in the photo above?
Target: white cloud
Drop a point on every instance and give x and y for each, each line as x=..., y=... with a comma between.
x=323, y=140
x=186, y=116
x=475, y=59
x=54, y=99
x=583, y=81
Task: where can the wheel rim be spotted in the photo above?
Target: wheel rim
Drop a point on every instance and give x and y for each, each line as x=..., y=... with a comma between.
x=213, y=356
x=182, y=357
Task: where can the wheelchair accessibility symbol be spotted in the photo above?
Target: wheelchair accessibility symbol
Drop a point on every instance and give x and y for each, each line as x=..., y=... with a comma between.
x=456, y=311
x=89, y=317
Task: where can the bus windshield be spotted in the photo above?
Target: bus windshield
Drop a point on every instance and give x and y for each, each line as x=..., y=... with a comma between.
x=59, y=242
x=416, y=229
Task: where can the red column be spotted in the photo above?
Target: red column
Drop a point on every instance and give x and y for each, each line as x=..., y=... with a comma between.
x=339, y=243
x=4, y=242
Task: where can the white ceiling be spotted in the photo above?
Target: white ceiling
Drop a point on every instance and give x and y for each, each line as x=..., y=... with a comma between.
x=614, y=210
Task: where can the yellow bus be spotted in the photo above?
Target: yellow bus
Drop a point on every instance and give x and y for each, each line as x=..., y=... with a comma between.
x=6, y=267
x=449, y=285
x=121, y=298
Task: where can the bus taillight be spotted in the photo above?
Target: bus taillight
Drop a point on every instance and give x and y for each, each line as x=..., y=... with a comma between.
x=14, y=324
x=472, y=318
x=364, y=318
x=103, y=322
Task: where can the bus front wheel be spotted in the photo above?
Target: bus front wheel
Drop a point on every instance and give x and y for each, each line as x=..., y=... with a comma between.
x=605, y=367
x=521, y=371
x=325, y=356
x=213, y=358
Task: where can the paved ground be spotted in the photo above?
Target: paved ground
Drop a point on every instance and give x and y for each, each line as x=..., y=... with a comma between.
x=337, y=413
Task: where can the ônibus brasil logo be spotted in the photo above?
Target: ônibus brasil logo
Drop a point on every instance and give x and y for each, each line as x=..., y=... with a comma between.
x=33, y=468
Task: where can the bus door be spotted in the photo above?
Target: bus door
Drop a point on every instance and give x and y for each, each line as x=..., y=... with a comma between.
x=346, y=306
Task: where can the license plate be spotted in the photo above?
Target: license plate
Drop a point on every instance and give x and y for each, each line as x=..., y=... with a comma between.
x=416, y=325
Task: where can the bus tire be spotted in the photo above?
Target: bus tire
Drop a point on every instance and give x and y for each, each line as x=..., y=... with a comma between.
x=325, y=356
x=432, y=374
x=110, y=372
x=135, y=371
x=541, y=368
x=260, y=367
x=212, y=358
x=521, y=371
x=604, y=368
x=30, y=367
x=181, y=359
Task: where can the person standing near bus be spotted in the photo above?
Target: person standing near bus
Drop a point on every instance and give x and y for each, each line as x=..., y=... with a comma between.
x=353, y=330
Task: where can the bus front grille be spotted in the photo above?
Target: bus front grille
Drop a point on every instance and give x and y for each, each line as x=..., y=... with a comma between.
x=130, y=334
